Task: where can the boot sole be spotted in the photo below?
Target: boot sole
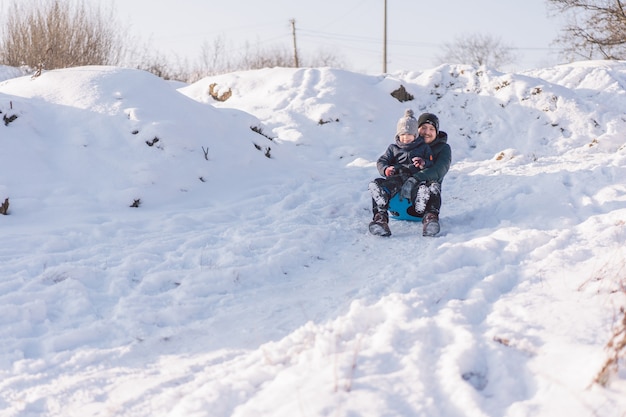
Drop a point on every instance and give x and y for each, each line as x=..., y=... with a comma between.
x=379, y=230
x=431, y=229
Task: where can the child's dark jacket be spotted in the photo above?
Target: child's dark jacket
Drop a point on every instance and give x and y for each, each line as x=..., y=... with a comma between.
x=400, y=156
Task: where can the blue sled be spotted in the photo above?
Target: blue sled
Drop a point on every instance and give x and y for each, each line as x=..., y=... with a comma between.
x=402, y=209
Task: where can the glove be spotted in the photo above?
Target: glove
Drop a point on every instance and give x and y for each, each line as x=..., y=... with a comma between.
x=389, y=171
x=418, y=162
x=407, y=188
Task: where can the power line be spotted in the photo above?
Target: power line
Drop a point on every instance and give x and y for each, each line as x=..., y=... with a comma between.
x=344, y=14
x=356, y=38
x=367, y=39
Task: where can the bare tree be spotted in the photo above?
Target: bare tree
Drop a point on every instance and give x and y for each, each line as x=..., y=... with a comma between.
x=478, y=50
x=594, y=29
x=214, y=57
x=324, y=58
x=265, y=58
x=163, y=67
x=58, y=34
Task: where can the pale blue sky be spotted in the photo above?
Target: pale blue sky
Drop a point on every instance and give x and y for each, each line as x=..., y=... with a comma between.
x=351, y=29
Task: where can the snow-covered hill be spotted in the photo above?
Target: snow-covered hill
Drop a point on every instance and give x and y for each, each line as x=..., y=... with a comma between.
x=245, y=283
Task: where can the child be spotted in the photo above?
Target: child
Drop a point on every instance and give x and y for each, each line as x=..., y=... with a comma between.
x=407, y=156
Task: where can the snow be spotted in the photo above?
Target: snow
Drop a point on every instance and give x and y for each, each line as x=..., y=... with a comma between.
x=245, y=283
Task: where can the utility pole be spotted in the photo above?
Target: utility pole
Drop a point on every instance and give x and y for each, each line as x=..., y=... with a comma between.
x=295, y=48
x=385, y=41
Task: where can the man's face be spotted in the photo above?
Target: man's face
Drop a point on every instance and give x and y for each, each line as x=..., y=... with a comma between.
x=428, y=132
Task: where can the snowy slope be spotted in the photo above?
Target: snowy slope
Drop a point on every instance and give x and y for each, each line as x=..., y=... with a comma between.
x=246, y=284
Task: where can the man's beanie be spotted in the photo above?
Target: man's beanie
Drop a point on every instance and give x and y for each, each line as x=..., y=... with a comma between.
x=429, y=118
x=407, y=124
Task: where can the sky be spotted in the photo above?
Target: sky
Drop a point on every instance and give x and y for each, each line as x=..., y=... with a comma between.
x=160, y=257
x=350, y=29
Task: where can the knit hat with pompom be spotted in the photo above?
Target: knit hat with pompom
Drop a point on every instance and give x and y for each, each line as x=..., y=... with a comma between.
x=407, y=124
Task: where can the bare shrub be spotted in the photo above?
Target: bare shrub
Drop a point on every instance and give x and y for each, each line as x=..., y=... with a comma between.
x=271, y=57
x=60, y=34
x=616, y=348
x=169, y=68
x=219, y=57
x=610, y=279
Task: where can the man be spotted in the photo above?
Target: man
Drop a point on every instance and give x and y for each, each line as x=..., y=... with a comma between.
x=420, y=182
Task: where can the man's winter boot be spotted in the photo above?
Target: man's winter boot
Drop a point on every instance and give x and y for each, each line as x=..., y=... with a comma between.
x=380, y=225
x=430, y=224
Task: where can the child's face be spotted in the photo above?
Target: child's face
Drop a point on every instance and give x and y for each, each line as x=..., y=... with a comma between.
x=406, y=138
